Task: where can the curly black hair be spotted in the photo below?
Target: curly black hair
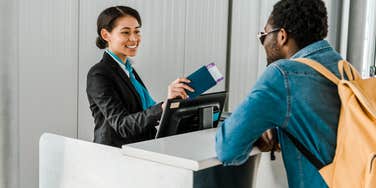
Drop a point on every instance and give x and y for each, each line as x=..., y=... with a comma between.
x=306, y=21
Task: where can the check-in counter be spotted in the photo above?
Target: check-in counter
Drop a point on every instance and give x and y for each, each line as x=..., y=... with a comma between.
x=181, y=161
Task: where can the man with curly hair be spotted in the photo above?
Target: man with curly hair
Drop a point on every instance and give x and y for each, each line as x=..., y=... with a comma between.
x=289, y=96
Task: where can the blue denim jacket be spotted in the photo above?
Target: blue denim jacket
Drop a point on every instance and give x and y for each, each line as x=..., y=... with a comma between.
x=293, y=97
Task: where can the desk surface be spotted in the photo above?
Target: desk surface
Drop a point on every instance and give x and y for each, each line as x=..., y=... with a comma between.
x=194, y=151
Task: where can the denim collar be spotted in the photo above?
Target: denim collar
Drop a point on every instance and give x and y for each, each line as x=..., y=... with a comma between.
x=312, y=48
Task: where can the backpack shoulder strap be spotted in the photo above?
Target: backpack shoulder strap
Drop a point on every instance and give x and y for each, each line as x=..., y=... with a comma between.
x=319, y=68
x=316, y=162
x=351, y=72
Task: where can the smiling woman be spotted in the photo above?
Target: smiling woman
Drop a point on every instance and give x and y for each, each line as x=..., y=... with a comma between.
x=126, y=37
x=122, y=107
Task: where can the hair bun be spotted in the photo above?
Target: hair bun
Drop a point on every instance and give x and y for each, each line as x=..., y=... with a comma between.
x=101, y=43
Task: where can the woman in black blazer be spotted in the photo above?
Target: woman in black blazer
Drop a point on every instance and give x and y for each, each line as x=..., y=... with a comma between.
x=123, y=110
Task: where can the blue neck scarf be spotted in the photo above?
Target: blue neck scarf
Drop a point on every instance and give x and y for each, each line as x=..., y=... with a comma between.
x=146, y=99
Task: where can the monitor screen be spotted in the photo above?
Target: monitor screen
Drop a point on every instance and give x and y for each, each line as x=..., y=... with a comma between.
x=182, y=116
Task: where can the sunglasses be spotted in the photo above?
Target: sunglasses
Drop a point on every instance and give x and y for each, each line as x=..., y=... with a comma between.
x=262, y=35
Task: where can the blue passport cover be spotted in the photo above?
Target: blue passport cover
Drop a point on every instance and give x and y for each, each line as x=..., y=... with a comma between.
x=201, y=81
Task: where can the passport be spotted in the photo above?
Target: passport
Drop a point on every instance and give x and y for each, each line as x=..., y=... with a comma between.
x=203, y=79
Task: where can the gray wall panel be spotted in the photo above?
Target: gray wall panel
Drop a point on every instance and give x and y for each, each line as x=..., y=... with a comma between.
x=334, y=9
x=9, y=140
x=361, y=35
x=248, y=59
x=206, y=36
x=244, y=50
x=47, y=77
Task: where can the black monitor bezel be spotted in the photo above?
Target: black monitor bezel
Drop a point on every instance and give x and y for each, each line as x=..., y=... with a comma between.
x=203, y=97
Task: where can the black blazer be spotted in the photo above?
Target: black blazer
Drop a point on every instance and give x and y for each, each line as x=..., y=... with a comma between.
x=116, y=106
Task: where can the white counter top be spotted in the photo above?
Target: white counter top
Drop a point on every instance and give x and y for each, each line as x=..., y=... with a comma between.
x=194, y=151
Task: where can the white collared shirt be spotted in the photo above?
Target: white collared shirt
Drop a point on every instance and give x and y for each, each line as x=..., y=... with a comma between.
x=122, y=66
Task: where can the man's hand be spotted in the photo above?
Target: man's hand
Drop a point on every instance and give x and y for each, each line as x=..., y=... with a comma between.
x=266, y=142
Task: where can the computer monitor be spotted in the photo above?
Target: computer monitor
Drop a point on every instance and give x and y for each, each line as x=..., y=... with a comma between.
x=182, y=116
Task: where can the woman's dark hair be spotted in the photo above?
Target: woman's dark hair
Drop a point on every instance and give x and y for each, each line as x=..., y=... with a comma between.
x=304, y=20
x=107, y=18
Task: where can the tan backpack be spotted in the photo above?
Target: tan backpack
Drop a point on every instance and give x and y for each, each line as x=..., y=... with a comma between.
x=354, y=163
